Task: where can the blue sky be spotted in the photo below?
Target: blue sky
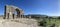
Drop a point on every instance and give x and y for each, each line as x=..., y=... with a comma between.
x=46, y=7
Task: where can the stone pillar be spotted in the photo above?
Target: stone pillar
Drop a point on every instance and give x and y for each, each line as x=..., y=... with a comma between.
x=21, y=13
x=6, y=12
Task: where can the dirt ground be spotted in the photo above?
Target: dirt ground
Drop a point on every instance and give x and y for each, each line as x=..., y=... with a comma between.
x=8, y=23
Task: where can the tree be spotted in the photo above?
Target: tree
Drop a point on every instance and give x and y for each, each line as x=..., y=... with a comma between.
x=50, y=18
x=59, y=17
x=42, y=23
x=46, y=17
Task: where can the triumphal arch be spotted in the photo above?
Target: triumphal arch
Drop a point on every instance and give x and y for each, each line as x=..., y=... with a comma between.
x=12, y=12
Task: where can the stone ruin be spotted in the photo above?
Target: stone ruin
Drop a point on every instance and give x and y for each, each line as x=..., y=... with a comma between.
x=10, y=11
x=17, y=18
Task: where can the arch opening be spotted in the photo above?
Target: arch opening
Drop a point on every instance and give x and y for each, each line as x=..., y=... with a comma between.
x=17, y=12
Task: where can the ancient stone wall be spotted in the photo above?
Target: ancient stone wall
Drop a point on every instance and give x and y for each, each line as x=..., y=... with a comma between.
x=10, y=12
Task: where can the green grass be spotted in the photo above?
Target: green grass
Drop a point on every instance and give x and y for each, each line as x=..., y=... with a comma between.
x=52, y=21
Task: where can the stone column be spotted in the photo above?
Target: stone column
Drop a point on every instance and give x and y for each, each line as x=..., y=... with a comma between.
x=6, y=12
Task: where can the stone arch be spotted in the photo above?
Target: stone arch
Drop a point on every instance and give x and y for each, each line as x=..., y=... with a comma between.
x=19, y=13
x=9, y=12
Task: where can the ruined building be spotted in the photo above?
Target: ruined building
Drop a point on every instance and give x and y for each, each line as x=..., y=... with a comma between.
x=12, y=12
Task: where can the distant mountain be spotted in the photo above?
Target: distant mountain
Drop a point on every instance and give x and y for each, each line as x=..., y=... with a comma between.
x=1, y=15
x=36, y=15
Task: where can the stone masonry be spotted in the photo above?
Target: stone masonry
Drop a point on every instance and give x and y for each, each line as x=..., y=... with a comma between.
x=10, y=11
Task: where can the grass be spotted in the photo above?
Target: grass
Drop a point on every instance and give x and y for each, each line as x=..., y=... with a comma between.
x=52, y=21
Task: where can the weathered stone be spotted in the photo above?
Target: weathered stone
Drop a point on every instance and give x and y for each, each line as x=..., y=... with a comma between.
x=10, y=12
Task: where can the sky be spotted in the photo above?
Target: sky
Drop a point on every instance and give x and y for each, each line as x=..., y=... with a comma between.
x=45, y=7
